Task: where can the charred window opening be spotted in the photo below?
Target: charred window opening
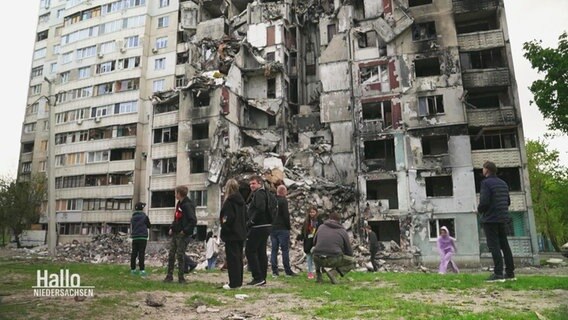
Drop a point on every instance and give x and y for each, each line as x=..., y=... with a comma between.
x=431, y=105
x=484, y=59
x=510, y=175
x=27, y=147
x=486, y=23
x=181, y=81
x=122, y=154
x=163, y=199
x=427, y=67
x=200, y=131
x=293, y=91
x=165, y=135
x=196, y=163
x=96, y=180
x=367, y=39
x=317, y=140
x=42, y=35
x=331, y=31
x=376, y=74
x=201, y=98
x=383, y=190
x=381, y=110
x=119, y=179
x=440, y=186
x=164, y=166
x=488, y=99
x=414, y=3
x=386, y=231
x=271, y=120
x=166, y=107
x=436, y=224
x=270, y=56
x=424, y=31
x=182, y=57
x=271, y=88
x=434, y=145
x=492, y=139
x=380, y=154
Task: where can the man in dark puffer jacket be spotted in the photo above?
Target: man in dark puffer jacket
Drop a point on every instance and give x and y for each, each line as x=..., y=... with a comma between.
x=493, y=207
x=139, y=233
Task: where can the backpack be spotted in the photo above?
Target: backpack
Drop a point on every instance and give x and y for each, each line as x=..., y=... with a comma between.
x=271, y=205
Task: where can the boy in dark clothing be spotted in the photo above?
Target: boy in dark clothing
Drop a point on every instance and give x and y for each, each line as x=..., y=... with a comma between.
x=259, y=223
x=280, y=235
x=373, y=246
x=494, y=201
x=139, y=225
x=181, y=230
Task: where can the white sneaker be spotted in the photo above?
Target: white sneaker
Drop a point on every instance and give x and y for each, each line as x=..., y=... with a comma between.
x=227, y=287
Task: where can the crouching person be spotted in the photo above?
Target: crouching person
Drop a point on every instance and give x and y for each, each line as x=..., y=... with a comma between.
x=332, y=249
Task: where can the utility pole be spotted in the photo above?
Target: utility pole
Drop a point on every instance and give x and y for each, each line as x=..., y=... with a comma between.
x=51, y=222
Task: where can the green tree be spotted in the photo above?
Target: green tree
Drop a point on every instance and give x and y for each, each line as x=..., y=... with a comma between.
x=551, y=93
x=549, y=191
x=20, y=203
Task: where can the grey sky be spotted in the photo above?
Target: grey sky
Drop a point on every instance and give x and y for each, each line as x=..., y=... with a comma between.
x=527, y=20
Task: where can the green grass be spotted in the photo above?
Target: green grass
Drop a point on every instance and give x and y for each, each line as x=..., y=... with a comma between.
x=358, y=296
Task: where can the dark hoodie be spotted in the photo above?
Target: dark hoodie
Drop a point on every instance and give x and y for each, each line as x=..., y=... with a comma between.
x=332, y=240
x=233, y=218
x=140, y=225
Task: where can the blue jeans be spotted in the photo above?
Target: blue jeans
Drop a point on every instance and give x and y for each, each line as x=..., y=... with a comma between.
x=211, y=262
x=310, y=261
x=280, y=239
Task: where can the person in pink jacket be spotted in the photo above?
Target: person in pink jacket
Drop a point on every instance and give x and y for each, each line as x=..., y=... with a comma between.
x=447, y=248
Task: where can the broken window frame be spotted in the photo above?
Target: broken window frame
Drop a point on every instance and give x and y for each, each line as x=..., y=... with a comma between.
x=331, y=31
x=434, y=226
x=392, y=198
x=494, y=139
x=27, y=147
x=197, y=163
x=170, y=106
x=437, y=191
x=199, y=197
x=424, y=31
x=383, y=114
x=271, y=88
x=165, y=135
x=164, y=166
x=375, y=74
x=416, y=3
x=364, y=40
x=431, y=105
x=426, y=71
x=511, y=175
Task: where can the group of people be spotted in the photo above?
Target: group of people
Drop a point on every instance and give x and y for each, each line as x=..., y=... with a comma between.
x=246, y=225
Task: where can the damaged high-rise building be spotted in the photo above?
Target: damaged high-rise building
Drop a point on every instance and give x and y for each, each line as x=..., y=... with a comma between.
x=401, y=99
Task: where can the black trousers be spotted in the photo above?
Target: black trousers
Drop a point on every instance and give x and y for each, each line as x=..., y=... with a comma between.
x=256, y=252
x=234, y=256
x=496, y=234
x=373, y=252
x=138, y=250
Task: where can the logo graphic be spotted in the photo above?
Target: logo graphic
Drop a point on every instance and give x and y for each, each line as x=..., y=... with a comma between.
x=62, y=284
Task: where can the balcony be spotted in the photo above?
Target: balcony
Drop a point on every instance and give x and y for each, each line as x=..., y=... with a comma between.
x=481, y=40
x=122, y=216
x=505, y=116
x=161, y=215
x=503, y=158
x=518, y=201
x=467, y=6
x=477, y=78
x=371, y=127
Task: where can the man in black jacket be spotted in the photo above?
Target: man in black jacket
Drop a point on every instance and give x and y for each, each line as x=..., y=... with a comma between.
x=280, y=235
x=181, y=230
x=493, y=206
x=259, y=223
x=139, y=225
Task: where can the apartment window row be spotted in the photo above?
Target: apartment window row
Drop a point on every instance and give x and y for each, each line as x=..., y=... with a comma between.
x=39, y=53
x=70, y=159
x=96, y=134
x=37, y=72
x=93, y=180
x=82, y=16
x=29, y=127
x=93, y=204
x=71, y=115
x=121, y=5
x=26, y=167
x=43, y=18
x=117, y=86
x=167, y=107
x=75, y=94
x=166, y=198
x=32, y=109
x=106, y=28
x=35, y=90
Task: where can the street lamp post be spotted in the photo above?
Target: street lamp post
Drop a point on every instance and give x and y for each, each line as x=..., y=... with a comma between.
x=51, y=222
